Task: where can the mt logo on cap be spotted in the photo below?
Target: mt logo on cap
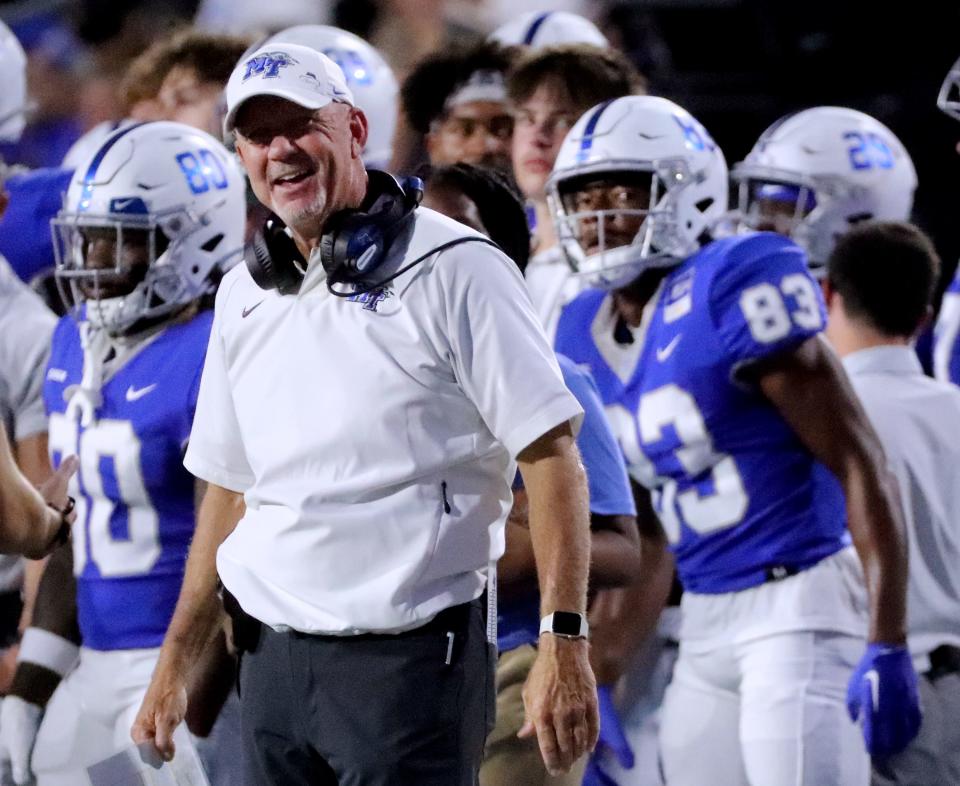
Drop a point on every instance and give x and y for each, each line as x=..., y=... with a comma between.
x=267, y=65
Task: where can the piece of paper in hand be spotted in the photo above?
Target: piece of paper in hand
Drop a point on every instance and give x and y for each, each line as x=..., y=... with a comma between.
x=141, y=765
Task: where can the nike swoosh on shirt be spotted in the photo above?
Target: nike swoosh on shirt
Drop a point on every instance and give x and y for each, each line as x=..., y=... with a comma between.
x=57, y=374
x=248, y=311
x=664, y=352
x=137, y=393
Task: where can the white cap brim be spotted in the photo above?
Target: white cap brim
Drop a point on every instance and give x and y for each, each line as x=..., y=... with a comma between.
x=289, y=95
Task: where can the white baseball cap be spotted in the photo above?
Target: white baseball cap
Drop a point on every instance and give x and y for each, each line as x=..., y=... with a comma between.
x=297, y=73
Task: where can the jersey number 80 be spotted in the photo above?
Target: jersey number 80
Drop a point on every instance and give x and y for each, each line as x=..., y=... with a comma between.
x=109, y=453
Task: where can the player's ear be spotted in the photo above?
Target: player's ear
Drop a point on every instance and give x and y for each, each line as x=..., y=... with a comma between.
x=829, y=293
x=925, y=321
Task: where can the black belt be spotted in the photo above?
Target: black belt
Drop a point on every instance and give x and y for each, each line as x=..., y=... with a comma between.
x=247, y=629
x=780, y=572
x=944, y=660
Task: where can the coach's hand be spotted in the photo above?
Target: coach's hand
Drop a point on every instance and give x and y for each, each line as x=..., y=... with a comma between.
x=882, y=694
x=560, y=702
x=163, y=709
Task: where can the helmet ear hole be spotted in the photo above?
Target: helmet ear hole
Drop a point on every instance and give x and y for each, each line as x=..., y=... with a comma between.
x=162, y=241
x=212, y=243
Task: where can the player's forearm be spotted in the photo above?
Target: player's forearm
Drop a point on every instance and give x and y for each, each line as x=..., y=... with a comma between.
x=621, y=620
x=875, y=522
x=812, y=393
x=197, y=618
x=559, y=520
x=55, y=612
x=614, y=551
x=27, y=524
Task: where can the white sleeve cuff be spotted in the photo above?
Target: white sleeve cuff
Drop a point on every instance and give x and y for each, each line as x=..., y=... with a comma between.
x=49, y=650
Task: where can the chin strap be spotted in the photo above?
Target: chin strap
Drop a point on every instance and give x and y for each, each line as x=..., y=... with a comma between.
x=83, y=399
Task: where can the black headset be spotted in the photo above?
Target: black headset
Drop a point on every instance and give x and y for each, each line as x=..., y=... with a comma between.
x=353, y=244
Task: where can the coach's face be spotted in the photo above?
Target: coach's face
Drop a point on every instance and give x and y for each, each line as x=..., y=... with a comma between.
x=303, y=164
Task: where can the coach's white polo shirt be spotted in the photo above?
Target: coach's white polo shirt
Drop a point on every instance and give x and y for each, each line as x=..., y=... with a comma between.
x=918, y=422
x=373, y=439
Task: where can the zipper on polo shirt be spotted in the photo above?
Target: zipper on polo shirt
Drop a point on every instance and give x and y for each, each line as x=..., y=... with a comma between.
x=443, y=491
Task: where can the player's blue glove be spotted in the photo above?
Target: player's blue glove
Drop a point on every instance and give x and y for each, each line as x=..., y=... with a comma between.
x=595, y=776
x=611, y=732
x=612, y=740
x=883, y=692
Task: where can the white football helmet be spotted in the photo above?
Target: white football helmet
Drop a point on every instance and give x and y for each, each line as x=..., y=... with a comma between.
x=369, y=78
x=829, y=168
x=13, y=98
x=178, y=195
x=949, y=99
x=650, y=140
x=84, y=147
x=548, y=28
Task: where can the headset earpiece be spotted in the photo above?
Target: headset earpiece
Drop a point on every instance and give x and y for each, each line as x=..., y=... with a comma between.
x=355, y=242
x=273, y=258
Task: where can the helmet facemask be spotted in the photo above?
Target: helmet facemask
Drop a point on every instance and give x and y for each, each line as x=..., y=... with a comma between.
x=813, y=211
x=948, y=101
x=124, y=270
x=615, y=223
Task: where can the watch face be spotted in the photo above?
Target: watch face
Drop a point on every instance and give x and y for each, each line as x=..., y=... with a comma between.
x=566, y=623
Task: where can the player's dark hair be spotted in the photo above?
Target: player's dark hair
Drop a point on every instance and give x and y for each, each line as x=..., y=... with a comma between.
x=425, y=91
x=886, y=272
x=587, y=74
x=498, y=202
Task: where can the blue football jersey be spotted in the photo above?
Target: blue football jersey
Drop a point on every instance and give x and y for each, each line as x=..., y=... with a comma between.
x=740, y=498
x=946, y=335
x=135, y=499
x=587, y=333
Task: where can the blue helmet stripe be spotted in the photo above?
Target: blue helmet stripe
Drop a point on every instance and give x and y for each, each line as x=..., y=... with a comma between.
x=535, y=27
x=97, y=160
x=586, y=141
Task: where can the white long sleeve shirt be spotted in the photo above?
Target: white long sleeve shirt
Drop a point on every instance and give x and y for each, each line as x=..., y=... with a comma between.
x=918, y=421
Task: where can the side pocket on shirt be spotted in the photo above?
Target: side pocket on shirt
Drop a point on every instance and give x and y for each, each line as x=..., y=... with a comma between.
x=439, y=495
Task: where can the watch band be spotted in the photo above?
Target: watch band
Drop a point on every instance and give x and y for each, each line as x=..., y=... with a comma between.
x=567, y=624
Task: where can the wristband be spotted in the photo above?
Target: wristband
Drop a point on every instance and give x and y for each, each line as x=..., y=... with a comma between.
x=62, y=535
x=43, y=648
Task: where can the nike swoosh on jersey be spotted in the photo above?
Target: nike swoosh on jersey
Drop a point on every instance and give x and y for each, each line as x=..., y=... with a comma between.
x=57, y=374
x=133, y=394
x=248, y=311
x=664, y=352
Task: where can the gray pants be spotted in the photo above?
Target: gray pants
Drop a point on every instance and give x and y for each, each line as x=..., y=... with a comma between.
x=387, y=710
x=933, y=758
